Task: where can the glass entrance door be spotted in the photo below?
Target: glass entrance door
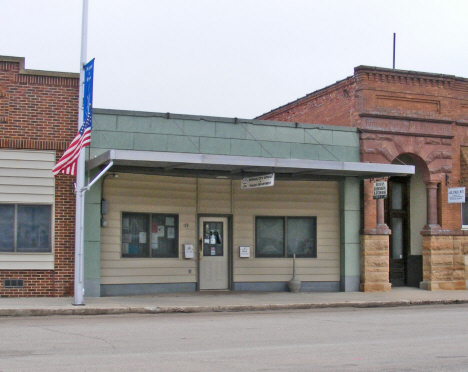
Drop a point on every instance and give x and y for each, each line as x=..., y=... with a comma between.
x=397, y=208
x=214, y=272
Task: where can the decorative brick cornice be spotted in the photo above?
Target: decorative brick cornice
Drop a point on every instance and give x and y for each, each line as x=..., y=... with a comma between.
x=8, y=63
x=7, y=143
x=47, y=80
x=406, y=117
x=386, y=75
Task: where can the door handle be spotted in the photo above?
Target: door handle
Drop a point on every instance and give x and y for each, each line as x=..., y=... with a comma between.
x=200, y=249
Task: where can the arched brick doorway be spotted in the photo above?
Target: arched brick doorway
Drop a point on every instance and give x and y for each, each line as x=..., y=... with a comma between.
x=442, y=254
x=405, y=215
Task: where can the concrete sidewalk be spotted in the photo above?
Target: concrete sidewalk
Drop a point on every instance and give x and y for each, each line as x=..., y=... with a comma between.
x=196, y=302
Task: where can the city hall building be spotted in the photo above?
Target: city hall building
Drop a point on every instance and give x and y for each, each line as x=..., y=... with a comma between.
x=183, y=206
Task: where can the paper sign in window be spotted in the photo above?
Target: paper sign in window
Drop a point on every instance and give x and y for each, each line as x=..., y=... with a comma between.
x=170, y=232
x=132, y=249
x=126, y=223
x=142, y=237
x=170, y=221
x=161, y=233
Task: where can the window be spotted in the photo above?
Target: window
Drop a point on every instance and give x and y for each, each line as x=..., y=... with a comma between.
x=464, y=209
x=25, y=228
x=146, y=235
x=285, y=236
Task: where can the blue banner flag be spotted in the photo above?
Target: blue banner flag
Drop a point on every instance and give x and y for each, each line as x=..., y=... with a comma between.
x=88, y=93
x=68, y=162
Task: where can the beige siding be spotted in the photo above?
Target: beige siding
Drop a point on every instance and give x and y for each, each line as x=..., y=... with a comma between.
x=26, y=177
x=148, y=194
x=297, y=198
x=214, y=196
x=26, y=261
x=187, y=197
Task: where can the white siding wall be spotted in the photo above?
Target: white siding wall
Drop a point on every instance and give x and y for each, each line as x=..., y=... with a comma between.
x=155, y=194
x=26, y=177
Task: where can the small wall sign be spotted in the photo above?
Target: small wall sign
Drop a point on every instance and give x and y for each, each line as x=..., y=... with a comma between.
x=188, y=250
x=380, y=189
x=244, y=252
x=456, y=195
x=260, y=181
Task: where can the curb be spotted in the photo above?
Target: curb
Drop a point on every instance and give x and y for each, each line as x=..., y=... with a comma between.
x=216, y=309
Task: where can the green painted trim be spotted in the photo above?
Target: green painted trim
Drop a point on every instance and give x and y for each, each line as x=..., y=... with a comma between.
x=92, y=232
x=141, y=131
x=350, y=249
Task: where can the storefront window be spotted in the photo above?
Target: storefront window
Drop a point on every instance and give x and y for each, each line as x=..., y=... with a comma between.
x=464, y=208
x=25, y=228
x=286, y=236
x=301, y=236
x=146, y=235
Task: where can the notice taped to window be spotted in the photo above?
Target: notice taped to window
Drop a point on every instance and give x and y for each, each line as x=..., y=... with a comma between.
x=380, y=190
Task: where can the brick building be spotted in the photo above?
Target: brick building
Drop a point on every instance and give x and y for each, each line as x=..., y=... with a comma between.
x=38, y=119
x=414, y=237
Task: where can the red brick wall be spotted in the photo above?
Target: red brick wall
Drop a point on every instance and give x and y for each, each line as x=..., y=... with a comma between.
x=333, y=105
x=39, y=110
x=398, y=97
x=37, y=283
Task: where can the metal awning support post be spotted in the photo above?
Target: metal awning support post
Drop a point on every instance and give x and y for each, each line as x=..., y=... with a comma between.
x=86, y=188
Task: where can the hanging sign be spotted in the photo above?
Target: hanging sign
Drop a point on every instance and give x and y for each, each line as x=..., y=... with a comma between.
x=380, y=190
x=456, y=195
x=259, y=181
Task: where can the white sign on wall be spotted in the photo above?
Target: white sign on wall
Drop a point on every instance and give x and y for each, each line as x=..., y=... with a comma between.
x=456, y=195
x=380, y=190
x=244, y=252
x=188, y=250
x=259, y=181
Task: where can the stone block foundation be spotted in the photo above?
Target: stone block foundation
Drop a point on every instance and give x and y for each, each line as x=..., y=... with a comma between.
x=444, y=262
x=375, y=263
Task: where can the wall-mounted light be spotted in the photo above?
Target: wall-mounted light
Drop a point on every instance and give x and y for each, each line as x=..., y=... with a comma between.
x=104, y=202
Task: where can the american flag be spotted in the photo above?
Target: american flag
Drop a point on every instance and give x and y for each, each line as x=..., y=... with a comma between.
x=68, y=161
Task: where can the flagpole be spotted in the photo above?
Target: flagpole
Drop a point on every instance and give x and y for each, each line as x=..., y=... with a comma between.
x=80, y=173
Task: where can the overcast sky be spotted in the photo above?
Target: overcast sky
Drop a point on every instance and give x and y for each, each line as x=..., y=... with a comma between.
x=237, y=58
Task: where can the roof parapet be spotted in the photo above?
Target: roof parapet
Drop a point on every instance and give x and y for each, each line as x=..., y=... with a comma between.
x=23, y=71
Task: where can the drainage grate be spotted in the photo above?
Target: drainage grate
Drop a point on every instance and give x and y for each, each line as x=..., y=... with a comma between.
x=13, y=283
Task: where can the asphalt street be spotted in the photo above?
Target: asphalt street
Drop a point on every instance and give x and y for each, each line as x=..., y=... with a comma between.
x=420, y=338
